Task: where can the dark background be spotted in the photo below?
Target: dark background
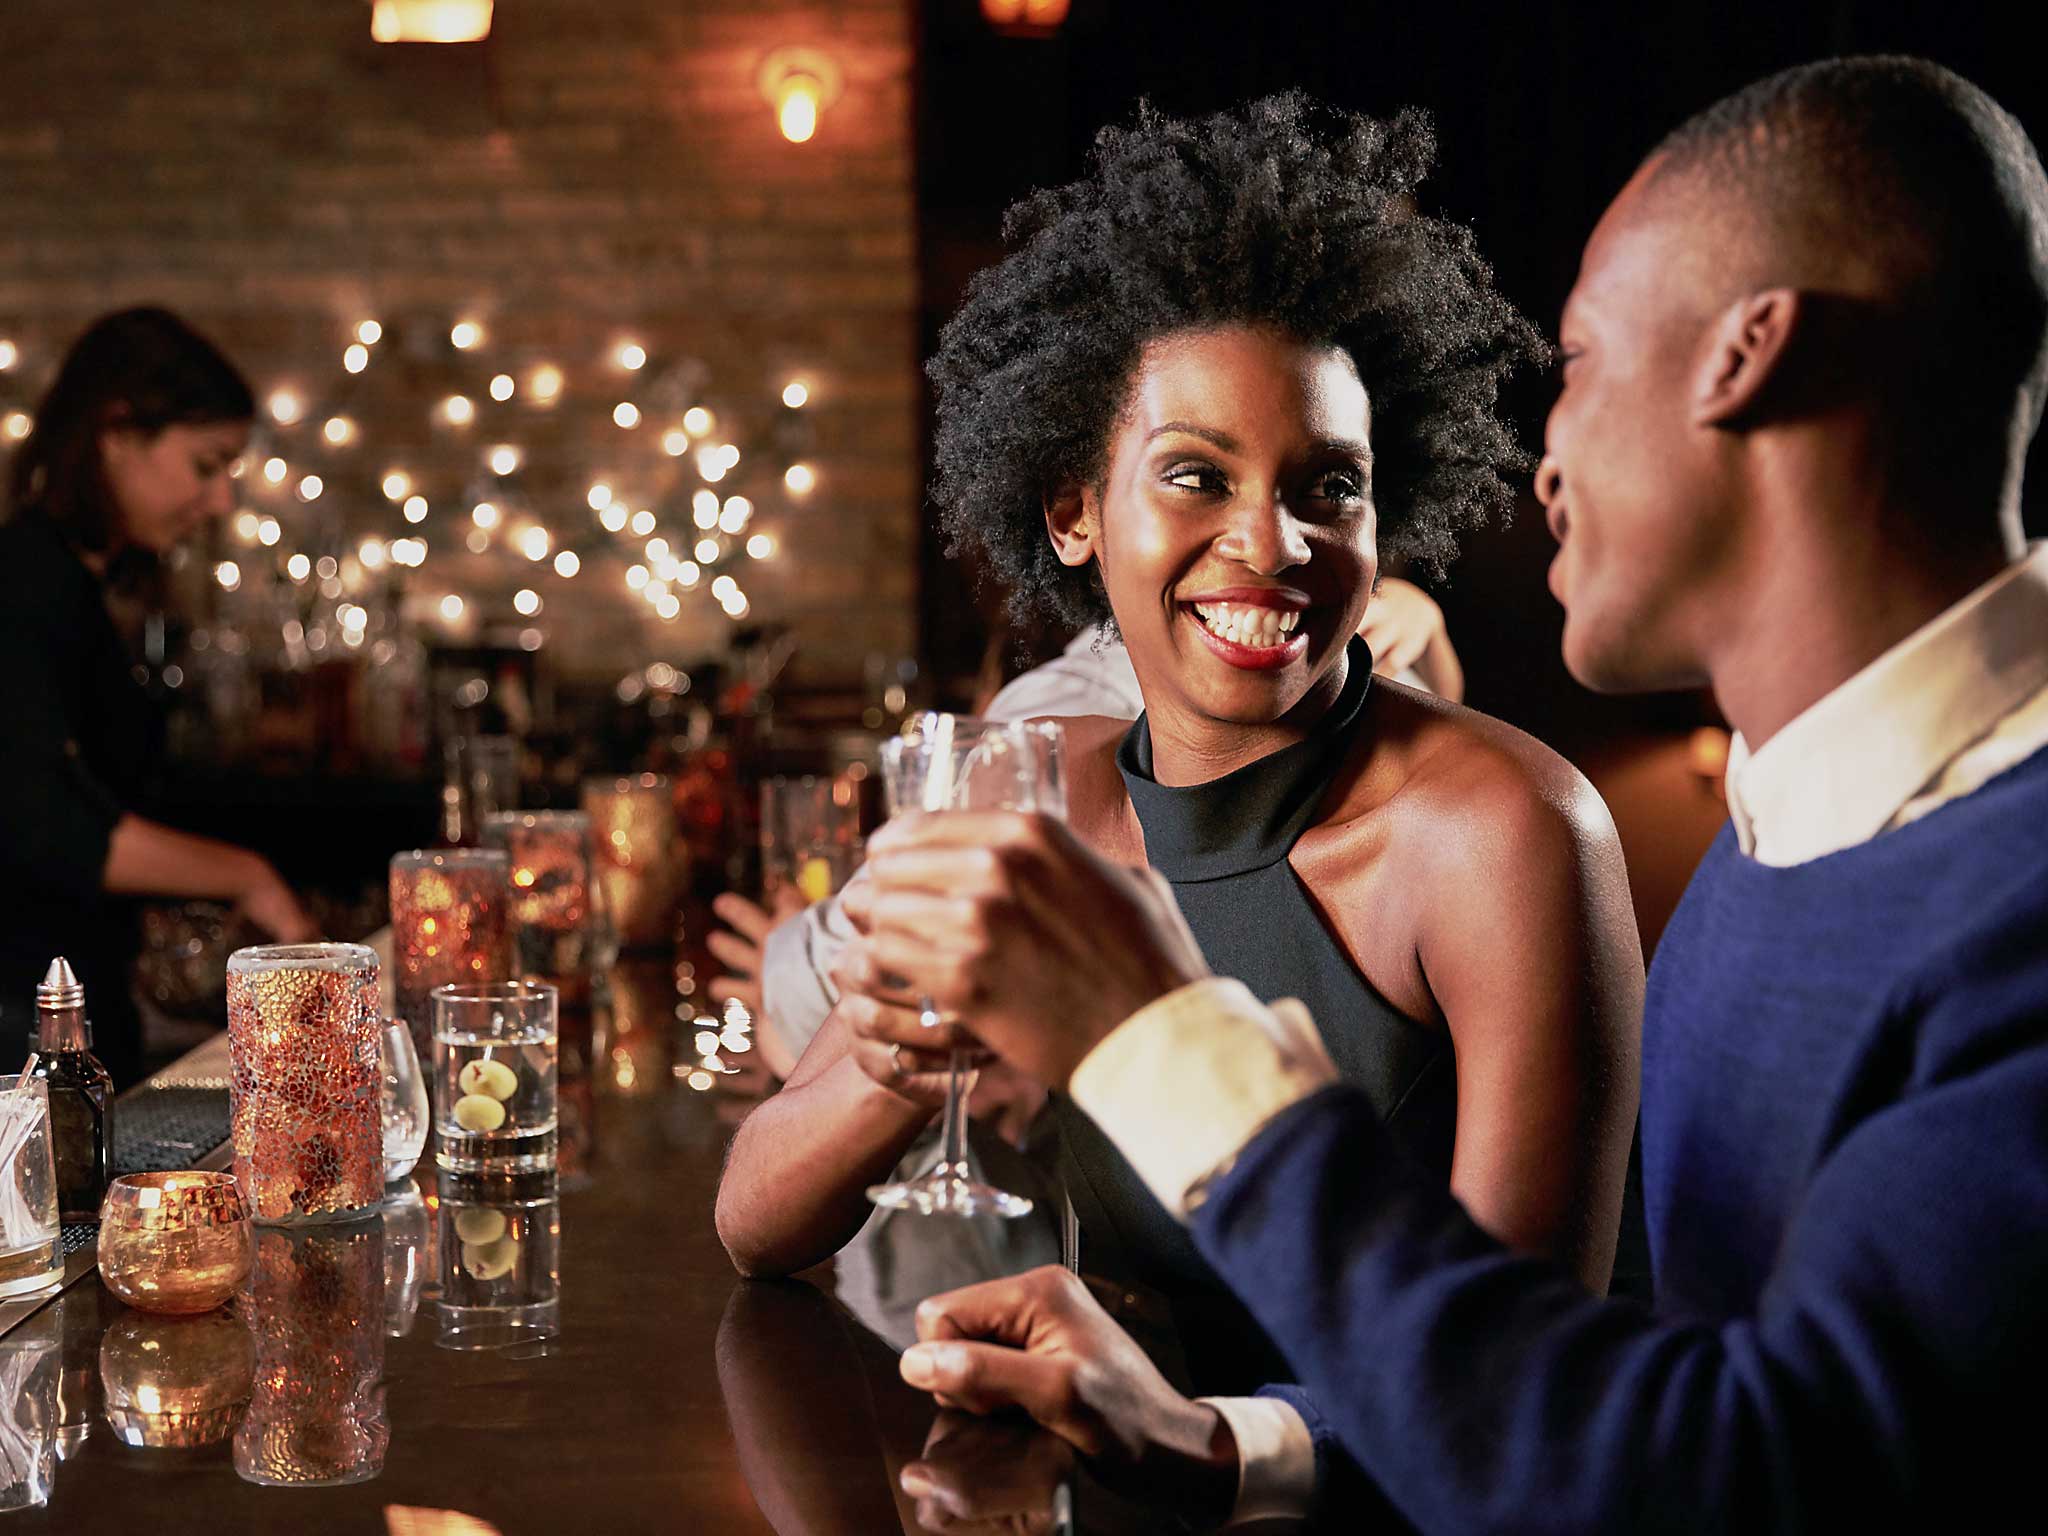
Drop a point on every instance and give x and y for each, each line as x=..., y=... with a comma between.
x=1542, y=110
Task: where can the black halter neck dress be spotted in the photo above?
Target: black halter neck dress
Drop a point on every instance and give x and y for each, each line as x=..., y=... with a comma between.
x=1223, y=846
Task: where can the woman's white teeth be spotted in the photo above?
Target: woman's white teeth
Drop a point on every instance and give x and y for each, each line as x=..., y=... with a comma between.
x=1245, y=624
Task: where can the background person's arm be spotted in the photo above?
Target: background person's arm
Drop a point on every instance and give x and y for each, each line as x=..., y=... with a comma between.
x=147, y=858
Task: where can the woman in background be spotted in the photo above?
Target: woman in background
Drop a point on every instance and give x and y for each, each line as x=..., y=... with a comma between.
x=130, y=456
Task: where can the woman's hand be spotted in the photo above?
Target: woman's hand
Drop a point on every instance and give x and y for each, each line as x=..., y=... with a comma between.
x=893, y=1047
x=268, y=902
x=1005, y=919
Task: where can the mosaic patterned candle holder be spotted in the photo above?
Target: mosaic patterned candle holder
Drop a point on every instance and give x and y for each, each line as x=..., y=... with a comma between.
x=448, y=909
x=638, y=855
x=174, y=1242
x=315, y=1304
x=306, y=1082
x=176, y=1382
x=548, y=918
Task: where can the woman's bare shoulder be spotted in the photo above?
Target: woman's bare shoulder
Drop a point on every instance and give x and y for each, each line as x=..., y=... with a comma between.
x=1441, y=763
x=1433, y=786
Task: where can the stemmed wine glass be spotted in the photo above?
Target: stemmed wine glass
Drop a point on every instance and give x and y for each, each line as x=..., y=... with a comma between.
x=953, y=762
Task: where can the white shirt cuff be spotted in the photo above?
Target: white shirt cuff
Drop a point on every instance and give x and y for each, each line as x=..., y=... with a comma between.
x=1182, y=1084
x=1276, y=1459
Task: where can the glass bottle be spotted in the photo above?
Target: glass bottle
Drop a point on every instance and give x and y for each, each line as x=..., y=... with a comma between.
x=81, y=1094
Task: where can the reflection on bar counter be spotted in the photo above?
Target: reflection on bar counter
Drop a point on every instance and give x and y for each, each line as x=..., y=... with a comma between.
x=500, y=1262
x=315, y=1306
x=176, y=1382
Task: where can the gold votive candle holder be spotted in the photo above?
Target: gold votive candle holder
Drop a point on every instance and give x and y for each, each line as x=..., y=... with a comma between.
x=306, y=1081
x=638, y=854
x=315, y=1306
x=174, y=1242
x=176, y=1382
x=548, y=916
x=447, y=925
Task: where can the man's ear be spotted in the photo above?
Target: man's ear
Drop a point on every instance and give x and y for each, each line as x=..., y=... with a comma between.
x=1071, y=523
x=1745, y=355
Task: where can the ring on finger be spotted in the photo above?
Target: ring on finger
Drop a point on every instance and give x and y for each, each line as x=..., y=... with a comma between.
x=896, y=1068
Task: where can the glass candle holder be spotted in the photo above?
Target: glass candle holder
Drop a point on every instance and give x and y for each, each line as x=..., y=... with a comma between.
x=315, y=1305
x=176, y=1381
x=447, y=925
x=501, y=1266
x=548, y=919
x=638, y=856
x=306, y=1080
x=174, y=1242
x=495, y=1049
x=810, y=836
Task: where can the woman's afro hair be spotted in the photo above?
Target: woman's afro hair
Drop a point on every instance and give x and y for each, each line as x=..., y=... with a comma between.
x=1281, y=214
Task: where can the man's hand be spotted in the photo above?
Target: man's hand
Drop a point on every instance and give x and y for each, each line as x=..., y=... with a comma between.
x=1004, y=920
x=987, y=1475
x=1042, y=1343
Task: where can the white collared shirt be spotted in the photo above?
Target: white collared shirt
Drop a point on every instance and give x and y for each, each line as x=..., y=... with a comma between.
x=1182, y=1085
x=1951, y=706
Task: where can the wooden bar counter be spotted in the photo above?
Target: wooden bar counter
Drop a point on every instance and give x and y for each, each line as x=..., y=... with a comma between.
x=674, y=1397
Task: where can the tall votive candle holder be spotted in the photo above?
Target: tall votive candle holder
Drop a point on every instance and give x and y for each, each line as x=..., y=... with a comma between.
x=638, y=852
x=448, y=911
x=549, y=913
x=306, y=1081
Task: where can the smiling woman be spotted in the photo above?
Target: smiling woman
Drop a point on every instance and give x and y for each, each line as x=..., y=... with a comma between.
x=1212, y=383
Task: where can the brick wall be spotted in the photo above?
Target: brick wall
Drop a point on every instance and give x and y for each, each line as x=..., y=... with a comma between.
x=591, y=172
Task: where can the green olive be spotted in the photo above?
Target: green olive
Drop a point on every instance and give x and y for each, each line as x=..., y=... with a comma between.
x=477, y=1112
x=491, y=1261
x=492, y=1078
x=480, y=1225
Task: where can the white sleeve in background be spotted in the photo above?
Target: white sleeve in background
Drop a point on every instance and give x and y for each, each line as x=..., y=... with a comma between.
x=1276, y=1459
x=797, y=990
x=1182, y=1084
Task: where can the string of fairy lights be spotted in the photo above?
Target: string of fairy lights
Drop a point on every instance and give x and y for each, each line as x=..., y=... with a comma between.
x=510, y=463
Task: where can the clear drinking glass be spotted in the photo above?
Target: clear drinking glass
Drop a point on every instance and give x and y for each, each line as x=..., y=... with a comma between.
x=404, y=1102
x=501, y=1263
x=952, y=762
x=494, y=1077
x=810, y=835
x=31, y=1254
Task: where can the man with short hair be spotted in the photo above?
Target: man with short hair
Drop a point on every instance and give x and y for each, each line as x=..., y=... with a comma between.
x=1802, y=362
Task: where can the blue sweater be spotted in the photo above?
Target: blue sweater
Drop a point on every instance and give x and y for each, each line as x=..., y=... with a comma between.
x=1845, y=1161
